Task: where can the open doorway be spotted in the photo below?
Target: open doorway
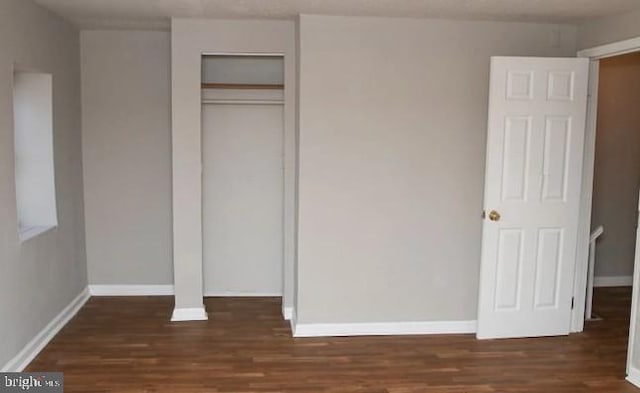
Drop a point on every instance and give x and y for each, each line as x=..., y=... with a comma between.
x=242, y=178
x=606, y=143
x=615, y=186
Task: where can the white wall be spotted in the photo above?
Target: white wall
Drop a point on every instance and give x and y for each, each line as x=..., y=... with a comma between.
x=617, y=164
x=393, y=124
x=127, y=156
x=242, y=183
x=40, y=277
x=190, y=38
x=607, y=30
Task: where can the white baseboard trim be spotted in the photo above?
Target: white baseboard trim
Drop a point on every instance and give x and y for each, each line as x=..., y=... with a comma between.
x=613, y=281
x=242, y=294
x=189, y=314
x=293, y=321
x=33, y=347
x=131, y=290
x=287, y=313
x=382, y=328
x=634, y=376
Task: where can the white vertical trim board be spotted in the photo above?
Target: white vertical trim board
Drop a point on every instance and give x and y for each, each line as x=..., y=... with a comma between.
x=586, y=199
x=287, y=313
x=293, y=322
x=633, y=376
x=635, y=302
x=382, y=328
x=131, y=290
x=33, y=347
x=613, y=281
x=189, y=314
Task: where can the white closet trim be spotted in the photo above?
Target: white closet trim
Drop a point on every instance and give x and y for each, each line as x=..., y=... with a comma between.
x=241, y=102
x=234, y=97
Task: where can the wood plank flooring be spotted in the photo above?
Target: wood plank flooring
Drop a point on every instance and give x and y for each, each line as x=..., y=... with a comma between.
x=127, y=344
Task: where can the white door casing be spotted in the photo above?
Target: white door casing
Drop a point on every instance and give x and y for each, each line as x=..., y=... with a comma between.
x=535, y=142
x=632, y=356
x=242, y=199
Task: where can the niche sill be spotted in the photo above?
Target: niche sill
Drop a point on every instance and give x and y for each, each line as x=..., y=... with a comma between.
x=27, y=233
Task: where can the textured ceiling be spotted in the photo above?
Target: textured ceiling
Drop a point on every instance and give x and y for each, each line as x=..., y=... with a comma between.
x=155, y=14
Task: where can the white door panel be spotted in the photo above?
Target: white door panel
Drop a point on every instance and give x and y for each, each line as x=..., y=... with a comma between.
x=242, y=199
x=535, y=140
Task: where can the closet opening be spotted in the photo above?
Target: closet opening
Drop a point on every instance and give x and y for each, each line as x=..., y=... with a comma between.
x=242, y=178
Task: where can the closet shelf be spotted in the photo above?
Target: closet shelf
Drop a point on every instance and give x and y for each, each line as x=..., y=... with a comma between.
x=242, y=86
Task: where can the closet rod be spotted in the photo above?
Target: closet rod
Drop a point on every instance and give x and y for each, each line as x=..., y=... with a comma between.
x=241, y=102
x=242, y=86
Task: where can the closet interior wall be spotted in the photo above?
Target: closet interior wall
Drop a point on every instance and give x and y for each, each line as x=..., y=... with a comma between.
x=242, y=147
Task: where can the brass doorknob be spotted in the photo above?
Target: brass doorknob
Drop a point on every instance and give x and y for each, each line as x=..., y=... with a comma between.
x=494, y=215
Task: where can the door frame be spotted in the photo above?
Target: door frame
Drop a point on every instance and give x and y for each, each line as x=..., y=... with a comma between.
x=633, y=374
x=289, y=177
x=584, y=225
x=595, y=54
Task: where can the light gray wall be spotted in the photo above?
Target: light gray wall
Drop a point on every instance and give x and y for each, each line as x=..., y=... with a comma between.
x=127, y=156
x=393, y=124
x=190, y=38
x=243, y=69
x=617, y=164
x=242, y=184
x=607, y=30
x=40, y=277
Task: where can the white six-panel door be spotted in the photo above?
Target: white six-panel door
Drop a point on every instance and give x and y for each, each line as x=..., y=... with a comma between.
x=536, y=127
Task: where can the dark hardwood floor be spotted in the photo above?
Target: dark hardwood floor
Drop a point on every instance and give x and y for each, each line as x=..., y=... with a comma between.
x=129, y=345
